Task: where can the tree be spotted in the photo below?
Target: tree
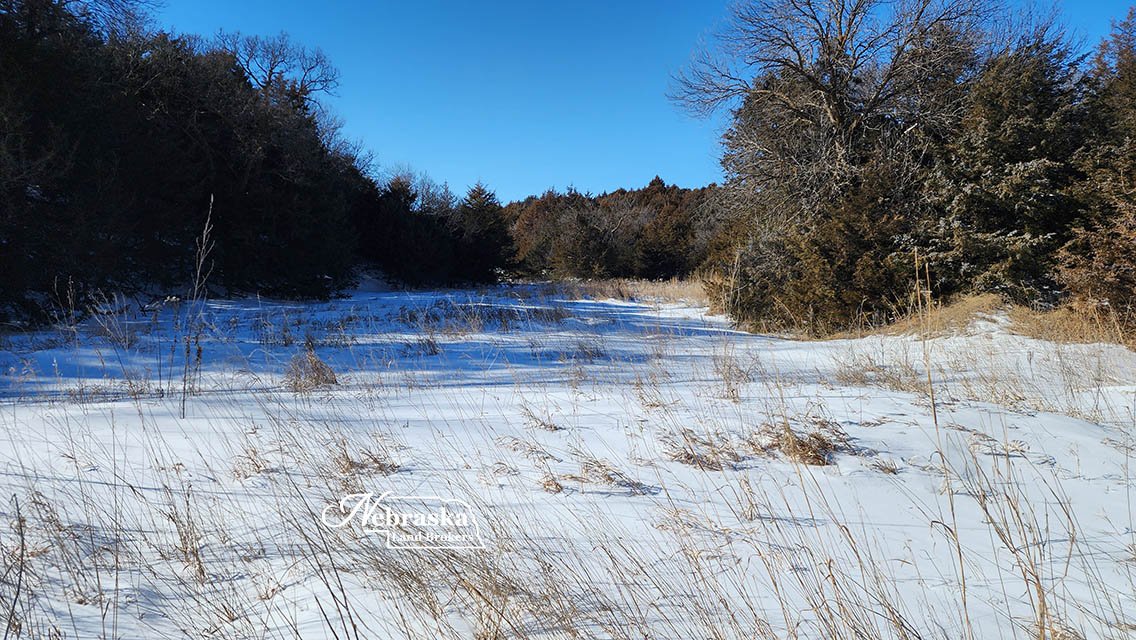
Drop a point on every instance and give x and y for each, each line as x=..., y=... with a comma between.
x=113, y=142
x=1003, y=186
x=819, y=85
x=838, y=109
x=1098, y=264
x=653, y=232
x=279, y=68
x=485, y=245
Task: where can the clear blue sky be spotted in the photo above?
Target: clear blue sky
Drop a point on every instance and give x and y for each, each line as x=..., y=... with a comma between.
x=521, y=95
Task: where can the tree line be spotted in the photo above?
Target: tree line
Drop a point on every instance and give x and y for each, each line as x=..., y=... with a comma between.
x=871, y=143
x=658, y=231
x=872, y=139
x=118, y=142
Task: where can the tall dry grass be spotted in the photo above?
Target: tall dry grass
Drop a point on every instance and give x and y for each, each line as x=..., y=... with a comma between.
x=1074, y=324
x=674, y=290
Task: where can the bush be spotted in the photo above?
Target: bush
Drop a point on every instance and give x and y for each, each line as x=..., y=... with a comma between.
x=1099, y=265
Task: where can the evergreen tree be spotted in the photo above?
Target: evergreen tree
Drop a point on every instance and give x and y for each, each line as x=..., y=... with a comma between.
x=1005, y=182
x=484, y=242
x=1098, y=265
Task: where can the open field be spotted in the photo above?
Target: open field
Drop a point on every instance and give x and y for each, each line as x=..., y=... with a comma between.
x=635, y=469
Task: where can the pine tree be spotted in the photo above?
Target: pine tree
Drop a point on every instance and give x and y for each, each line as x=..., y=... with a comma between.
x=1004, y=186
x=1098, y=265
x=484, y=243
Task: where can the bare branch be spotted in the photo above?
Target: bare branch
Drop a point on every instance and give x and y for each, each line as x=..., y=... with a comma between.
x=278, y=67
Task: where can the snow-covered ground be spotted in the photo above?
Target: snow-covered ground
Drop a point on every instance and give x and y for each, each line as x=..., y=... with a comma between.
x=633, y=470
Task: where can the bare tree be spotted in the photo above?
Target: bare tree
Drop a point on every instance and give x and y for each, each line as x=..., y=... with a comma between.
x=870, y=51
x=112, y=16
x=814, y=82
x=433, y=198
x=839, y=107
x=276, y=65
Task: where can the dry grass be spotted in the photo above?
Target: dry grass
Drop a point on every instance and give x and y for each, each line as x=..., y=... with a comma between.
x=597, y=471
x=689, y=291
x=885, y=465
x=734, y=375
x=814, y=442
x=1072, y=324
x=1068, y=324
x=477, y=315
x=937, y=319
x=539, y=419
x=812, y=448
x=364, y=461
x=894, y=369
x=709, y=452
x=307, y=372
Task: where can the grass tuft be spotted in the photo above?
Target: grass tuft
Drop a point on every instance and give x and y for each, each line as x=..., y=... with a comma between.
x=307, y=372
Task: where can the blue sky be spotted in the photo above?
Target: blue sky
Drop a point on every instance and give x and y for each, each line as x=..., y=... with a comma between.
x=521, y=95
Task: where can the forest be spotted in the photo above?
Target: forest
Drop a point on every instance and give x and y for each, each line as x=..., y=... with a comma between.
x=945, y=142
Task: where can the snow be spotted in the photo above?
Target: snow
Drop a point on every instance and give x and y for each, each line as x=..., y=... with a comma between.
x=621, y=457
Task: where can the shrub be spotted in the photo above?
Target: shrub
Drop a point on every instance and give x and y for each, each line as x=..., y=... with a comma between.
x=1099, y=265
